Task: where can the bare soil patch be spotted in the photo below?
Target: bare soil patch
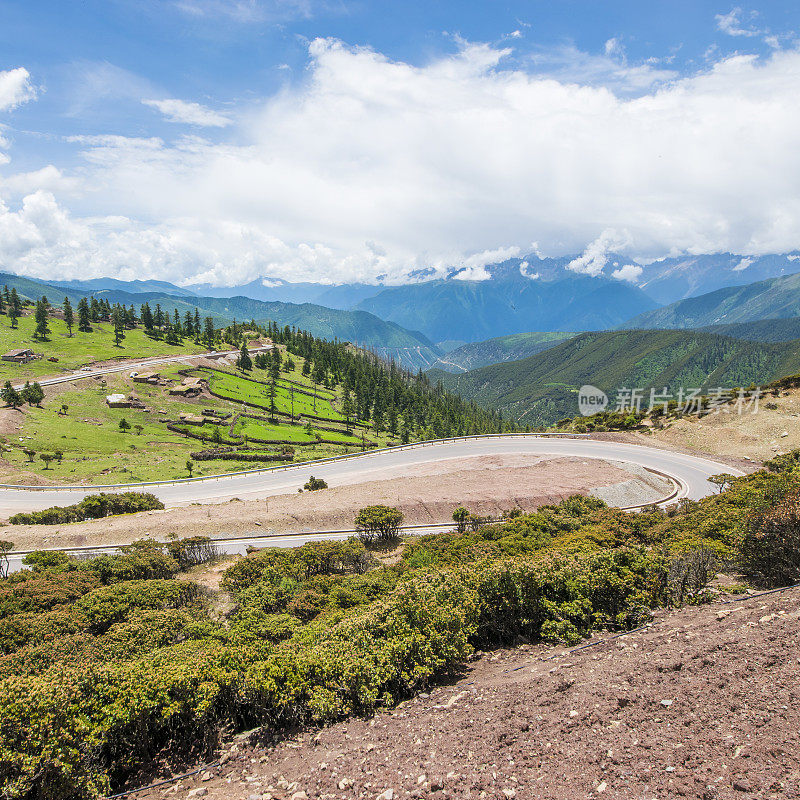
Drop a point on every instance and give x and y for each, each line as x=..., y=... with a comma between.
x=701, y=704
x=746, y=437
x=486, y=485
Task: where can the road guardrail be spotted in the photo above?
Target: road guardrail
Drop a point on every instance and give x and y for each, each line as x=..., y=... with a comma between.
x=285, y=467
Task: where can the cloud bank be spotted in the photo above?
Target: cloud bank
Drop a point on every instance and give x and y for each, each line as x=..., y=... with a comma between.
x=372, y=167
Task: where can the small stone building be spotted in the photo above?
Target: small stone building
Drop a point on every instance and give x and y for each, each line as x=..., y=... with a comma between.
x=22, y=356
x=117, y=401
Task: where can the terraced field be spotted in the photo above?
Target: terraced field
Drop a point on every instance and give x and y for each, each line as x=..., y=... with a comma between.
x=291, y=398
x=92, y=448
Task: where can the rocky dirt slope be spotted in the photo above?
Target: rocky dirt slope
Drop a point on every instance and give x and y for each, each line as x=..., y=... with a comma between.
x=703, y=703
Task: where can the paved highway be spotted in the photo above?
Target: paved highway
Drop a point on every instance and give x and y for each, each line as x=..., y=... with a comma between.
x=691, y=473
x=82, y=373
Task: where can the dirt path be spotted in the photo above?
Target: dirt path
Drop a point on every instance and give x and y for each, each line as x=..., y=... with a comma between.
x=702, y=704
x=486, y=485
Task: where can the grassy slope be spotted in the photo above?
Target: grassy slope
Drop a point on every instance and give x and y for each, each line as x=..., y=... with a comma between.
x=542, y=389
x=502, y=348
x=77, y=350
x=96, y=451
x=239, y=389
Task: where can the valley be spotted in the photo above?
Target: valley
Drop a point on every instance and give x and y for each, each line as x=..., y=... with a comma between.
x=253, y=593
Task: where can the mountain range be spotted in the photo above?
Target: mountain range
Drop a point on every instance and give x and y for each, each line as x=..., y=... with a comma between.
x=543, y=388
x=527, y=293
x=517, y=295
x=387, y=339
x=772, y=298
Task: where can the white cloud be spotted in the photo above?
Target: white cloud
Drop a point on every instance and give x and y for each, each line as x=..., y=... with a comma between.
x=525, y=271
x=629, y=272
x=595, y=257
x=189, y=113
x=48, y=178
x=731, y=23
x=743, y=265
x=375, y=167
x=567, y=64
x=15, y=88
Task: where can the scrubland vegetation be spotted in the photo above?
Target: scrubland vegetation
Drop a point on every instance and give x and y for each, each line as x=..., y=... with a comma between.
x=112, y=661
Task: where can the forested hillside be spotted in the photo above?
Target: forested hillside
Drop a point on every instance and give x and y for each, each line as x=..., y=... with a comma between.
x=542, y=389
x=776, y=297
x=763, y=330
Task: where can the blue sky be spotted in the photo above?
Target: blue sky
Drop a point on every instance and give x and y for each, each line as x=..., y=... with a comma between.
x=342, y=140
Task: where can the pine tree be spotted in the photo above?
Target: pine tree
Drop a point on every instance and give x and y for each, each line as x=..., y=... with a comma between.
x=147, y=318
x=244, y=362
x=347, y=409
x=84, y=316
x=118, y=321
x=10, y=396
x=32, y=393
x=209, y=334
x=69, y=315
x=14, y=307
x=42, y=328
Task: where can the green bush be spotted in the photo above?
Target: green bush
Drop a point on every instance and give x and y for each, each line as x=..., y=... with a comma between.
x=770, y=545
x=93, y=506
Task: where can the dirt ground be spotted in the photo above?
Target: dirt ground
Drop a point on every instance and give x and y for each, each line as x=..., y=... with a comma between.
x=703, y=703
x=486, y=485
x=754, y=437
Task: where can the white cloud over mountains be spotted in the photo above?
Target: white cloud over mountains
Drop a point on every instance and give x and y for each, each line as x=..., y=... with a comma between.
x=376, y=167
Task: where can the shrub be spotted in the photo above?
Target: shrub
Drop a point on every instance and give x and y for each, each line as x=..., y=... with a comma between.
x=192, y=551
x=314, y=483
x=769, y=548
x=105, y=669
x=93, y=506
x=378, y=522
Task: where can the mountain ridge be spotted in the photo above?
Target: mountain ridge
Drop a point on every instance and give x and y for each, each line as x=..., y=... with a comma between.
x=541, y=389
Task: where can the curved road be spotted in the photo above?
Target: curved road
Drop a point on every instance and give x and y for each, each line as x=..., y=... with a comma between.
x=691, y=473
